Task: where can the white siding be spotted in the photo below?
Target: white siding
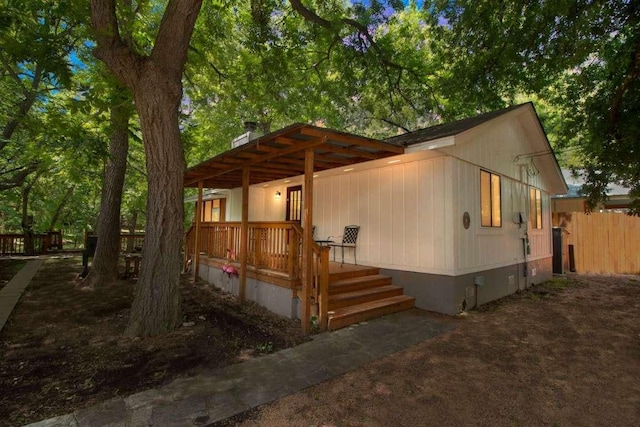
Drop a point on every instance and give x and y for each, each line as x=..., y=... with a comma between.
x=403, y=211
x=256, y=204
x=480, y=248
x=496, y=145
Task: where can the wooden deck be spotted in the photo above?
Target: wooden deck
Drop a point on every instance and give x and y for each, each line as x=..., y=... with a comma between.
x=340, y=294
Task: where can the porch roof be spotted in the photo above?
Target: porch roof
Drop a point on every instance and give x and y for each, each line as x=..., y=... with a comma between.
x=281, y=154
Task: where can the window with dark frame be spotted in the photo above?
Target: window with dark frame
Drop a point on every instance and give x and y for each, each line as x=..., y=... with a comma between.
x=490, y=204
x=213, y=210
x=535, y=208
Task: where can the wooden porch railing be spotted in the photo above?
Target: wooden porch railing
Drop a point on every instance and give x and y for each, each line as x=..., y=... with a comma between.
x=269, y=244
x=12, y=244
x=274, y=246
x=131, y=242
x=15, y=243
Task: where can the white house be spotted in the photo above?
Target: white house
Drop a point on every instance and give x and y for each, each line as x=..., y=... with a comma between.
x=456, y=214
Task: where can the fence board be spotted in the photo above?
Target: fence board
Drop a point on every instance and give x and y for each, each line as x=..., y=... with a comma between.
x=604, y=243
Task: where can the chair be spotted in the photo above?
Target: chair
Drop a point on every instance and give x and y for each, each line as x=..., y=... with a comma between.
x=349, y=239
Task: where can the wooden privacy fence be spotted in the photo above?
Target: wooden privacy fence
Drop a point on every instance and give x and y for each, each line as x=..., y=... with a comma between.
x=603, y=243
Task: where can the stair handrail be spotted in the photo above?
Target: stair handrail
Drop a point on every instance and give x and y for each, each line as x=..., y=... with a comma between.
x=319, y=292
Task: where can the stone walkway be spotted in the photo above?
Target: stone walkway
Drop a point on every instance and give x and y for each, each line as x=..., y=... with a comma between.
x=220, y=394
x=11, y=293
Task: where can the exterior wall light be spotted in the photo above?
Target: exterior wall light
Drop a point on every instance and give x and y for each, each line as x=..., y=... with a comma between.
x=277, y=196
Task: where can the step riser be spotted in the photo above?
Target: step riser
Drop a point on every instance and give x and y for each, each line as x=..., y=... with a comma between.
x=333, y=277
x=334, y=305
x=374, y=283
x=337, y=323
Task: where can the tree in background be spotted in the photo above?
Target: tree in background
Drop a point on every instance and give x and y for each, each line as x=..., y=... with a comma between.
x=582, y=59
x=36, y=38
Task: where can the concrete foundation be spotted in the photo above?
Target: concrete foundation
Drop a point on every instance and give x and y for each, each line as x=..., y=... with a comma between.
x=453, y=294
x=433, y=292
x=274, y=298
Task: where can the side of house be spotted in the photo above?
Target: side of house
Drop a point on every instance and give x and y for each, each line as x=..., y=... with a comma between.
x=462, y=218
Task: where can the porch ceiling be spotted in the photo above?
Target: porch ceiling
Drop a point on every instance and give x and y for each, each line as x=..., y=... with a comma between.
x=280, y=155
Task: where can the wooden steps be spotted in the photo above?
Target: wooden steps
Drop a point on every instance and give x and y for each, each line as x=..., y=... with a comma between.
x=358, y=283
x=347, y=273
x=346, y=299
x=360, y=293
x=358, y=313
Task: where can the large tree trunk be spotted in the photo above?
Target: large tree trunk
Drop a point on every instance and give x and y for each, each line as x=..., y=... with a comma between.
x=156, y=84
x=105, y=261
x=156, y=307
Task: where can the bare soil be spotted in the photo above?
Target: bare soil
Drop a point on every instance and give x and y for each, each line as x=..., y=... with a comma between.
x=563, y=353
x=63, y=347
x=8, y=268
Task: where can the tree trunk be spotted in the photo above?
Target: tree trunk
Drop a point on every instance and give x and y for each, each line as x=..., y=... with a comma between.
x=27, y=221
x=156, y=307
x=155, y=81
x=105, y=261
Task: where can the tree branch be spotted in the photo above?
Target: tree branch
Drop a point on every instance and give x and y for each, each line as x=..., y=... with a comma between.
x=111, y=49
x=309, y=15
x=172, y=43
x=632, y=73
x=392, y=123
x=19, y=177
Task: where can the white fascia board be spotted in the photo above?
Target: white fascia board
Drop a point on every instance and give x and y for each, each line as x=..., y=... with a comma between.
x=208, y=194
x=432, y=145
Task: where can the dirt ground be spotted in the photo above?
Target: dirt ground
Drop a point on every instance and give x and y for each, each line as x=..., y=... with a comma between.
x=63, y=347
x=8, y=267
x=563, y=354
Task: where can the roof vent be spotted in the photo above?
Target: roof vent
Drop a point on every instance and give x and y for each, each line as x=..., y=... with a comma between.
x=249, y=134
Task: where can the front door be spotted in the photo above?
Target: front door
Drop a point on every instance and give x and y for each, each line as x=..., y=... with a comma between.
x=294, y=203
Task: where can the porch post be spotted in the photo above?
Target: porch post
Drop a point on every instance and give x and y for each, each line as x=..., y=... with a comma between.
x=196, y=249
x=244, y=235
x=307, y=236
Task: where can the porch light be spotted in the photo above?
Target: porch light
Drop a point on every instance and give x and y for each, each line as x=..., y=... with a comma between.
x=393, y=161
x=347, y=170
x=277, y=196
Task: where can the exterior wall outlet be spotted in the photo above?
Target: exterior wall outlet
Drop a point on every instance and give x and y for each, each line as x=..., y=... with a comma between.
x=512, y=279
x=533, y=272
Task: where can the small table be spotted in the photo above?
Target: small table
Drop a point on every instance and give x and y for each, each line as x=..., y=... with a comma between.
x=324, y=242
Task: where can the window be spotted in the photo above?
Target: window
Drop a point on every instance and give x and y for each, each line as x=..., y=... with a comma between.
x=535, y=208
x=294, y=203
x=213, y=210
x=490, y=212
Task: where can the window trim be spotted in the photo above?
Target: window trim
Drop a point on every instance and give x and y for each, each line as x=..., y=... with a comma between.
x=495, y=221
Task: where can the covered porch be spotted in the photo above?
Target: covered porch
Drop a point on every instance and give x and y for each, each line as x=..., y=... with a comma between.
x=279, y=256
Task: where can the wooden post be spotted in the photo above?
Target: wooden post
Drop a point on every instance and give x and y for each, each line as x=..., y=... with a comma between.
x=323, y=303
x=307, y=237
x=196, y=246
x=244, y=235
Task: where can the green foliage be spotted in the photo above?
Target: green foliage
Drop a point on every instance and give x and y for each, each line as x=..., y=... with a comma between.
x=582, y=59
x=367, y=67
